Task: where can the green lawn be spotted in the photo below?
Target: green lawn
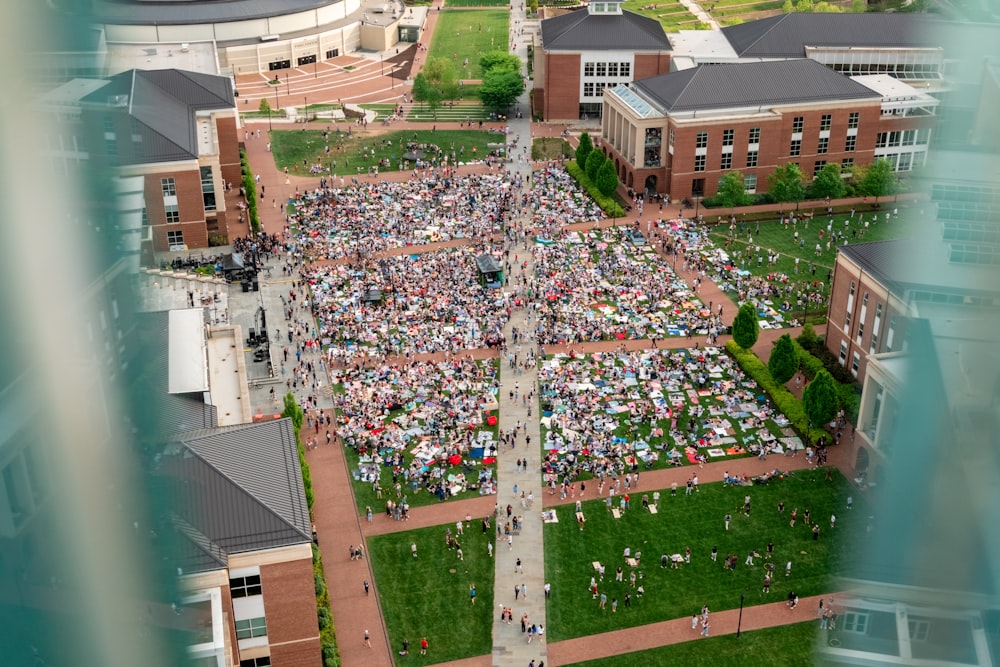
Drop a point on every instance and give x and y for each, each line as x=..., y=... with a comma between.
x=782, y=646
x=355, y=153
x=550, y=148
x=476, y=3
x=697, y=522
x=428, y=596
x=671, y=14
x=468, y=34
x=774, y=236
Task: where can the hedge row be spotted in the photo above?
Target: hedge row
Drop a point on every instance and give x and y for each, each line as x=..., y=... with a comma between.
x=607, y=204
x=849, y=392
x=328, y=640
x=783, y=399
x=250, y=189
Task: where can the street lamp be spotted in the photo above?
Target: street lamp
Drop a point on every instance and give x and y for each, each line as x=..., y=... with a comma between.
x=269, y=128
x=739, y=621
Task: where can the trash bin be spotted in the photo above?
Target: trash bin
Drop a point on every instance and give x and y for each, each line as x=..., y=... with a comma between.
x=256, y=285
x=246, y=286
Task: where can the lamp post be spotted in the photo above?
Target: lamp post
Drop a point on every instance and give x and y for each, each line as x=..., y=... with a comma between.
x=269, y=128
x=381, y=60
x=305, y=108
x=739, y=621
x=276, y=105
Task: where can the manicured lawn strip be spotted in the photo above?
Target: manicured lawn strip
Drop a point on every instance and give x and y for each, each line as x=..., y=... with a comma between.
x=291, y=147
x=462, y=34
x=774, y=236
x=422, y=597
x=476, y=3
x=550, y=148
x=695, y=521
x=671, y=14
x=778, y=646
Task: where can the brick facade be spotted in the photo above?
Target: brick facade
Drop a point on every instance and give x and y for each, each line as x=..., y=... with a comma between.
x=290, y=608
x=677, y=174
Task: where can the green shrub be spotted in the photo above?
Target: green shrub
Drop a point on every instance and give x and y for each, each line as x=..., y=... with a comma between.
x=319, y=583
x=783, y=399
x=324, y=618
x=250, y=189
x=808, y=338
x=607, y=204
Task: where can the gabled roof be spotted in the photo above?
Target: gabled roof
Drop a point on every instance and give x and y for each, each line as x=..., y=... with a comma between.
x=236, y=489
x=788, y=35
x=749, y=85
x=582, y=31
x=162, y=105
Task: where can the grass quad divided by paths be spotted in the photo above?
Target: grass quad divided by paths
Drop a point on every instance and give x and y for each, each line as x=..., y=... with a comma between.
x=780, y=646
x=671, y=14
x=771, y=235
x=696, y=521
x=304, y=152
x=429, y=596
x=465, y=35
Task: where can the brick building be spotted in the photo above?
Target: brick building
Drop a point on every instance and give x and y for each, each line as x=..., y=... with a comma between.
x=679, y=133
x=585, y=51
x=177, y=132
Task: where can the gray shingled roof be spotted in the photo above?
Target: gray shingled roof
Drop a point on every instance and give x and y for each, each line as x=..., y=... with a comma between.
x=184, y=12
x=236, y=489
x=920, y=264
x=749, y=85
x=162, y=106
x=787, y=35
x=582, y=31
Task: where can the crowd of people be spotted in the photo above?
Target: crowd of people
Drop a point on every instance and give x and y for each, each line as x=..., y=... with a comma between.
x=417, y=421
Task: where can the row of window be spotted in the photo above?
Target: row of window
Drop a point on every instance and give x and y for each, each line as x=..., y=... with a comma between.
x=595, y=88
x=623, y=69
x=700, y=161
x=823, y=145
x=903, y=138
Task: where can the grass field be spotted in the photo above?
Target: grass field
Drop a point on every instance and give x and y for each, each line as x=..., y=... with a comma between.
x=772, y=235
x=695, y=521
x=783, y=646
x=428, y=596
x=363, y=148
x=550, y=148
x=476, y=3
x=467, y=34
x=671, y=14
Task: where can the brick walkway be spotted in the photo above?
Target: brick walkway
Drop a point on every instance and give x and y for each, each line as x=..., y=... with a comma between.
x=338, y=521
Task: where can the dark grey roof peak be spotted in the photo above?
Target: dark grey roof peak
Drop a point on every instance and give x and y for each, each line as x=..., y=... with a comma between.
x=236, y=489
x=788, y=35
x=763, y=84
x=582, y=31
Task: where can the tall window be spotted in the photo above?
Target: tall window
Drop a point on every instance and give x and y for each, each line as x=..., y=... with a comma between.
x=751, y=158
x=670, y=138
x=754, y=135
x=823, y=146
x=850, y=143
x=172, y=213
x=882, y=140
x=242, y=587
x=847, y=166
x=818, y=167
x=727, y=137
x=602, y=69
x=797, y=123
x=750, y=183
x=588, y=89
x=625, y=69
x=853, y=119
x=855, y=363
x=168, y=186
x=612, y=69
x=588, y=69
x=175, y=238
x=873, y=347
x=843, y=352
x=251, y=627
x=727, y=161
x=795, y=148
x=699, y=163
x=701, y=140
x=825, y=122
x=890, y=334
x=207, y=188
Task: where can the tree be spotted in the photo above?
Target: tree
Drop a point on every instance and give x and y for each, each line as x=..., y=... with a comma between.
x=440, y=75
x=499, y=60
x=828, y=183
x=594, y=162
x=824, y=7
x=732, y=191
x=820, y=399
x=424, y=92
x=804, y=6
x=265, y=106
x=785, y=184
x=584, y=150
x=745, y=326
x=788, y=7
x=293, y=410
x=501, y=88
x=808, y=338
x=877, y=179
x=533, y=6
x=607, y=178
x=859, y=6
x=784, y=361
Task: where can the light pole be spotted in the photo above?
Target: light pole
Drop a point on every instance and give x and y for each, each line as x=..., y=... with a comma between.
x=276, y=105
x=739, y=621
x=305, y=105
x=269, y=128
x=381, y=60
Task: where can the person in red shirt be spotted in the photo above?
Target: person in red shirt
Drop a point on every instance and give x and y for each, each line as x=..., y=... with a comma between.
x=423, y=646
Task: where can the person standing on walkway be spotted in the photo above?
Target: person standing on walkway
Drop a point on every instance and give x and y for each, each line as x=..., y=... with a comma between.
x=368, y=642
x=704, y=628
x=366, y=587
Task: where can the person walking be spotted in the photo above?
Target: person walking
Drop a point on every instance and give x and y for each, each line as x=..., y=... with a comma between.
x=368, y=641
